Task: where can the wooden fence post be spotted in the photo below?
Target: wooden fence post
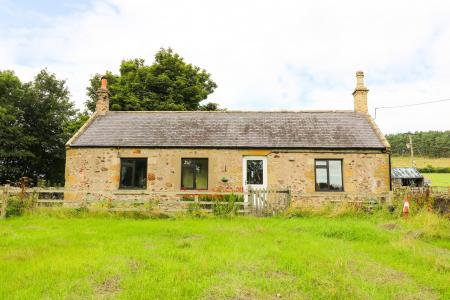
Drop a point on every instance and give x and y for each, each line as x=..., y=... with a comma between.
x=5, y=200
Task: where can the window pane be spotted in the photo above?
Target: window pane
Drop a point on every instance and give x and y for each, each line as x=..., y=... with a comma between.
x=201, y=173
x=140, y=174
x=187, y=180
x=321, y=179
x=255, y=172
x=126, y=179
x=194, y=173
x=335, y=171
x=321, y=163
x=133, y=172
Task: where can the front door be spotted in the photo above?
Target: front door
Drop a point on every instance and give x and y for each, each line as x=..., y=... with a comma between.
x=254, y=173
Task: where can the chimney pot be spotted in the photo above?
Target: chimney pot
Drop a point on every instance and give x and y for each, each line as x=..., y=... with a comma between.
x=104, y=82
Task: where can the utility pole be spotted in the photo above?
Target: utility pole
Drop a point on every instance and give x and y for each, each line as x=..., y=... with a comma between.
x=410, y=146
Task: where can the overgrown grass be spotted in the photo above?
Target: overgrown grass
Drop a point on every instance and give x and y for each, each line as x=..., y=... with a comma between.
x=330, y=253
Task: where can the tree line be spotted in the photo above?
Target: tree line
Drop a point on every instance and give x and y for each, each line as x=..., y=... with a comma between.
x=38, y=117
x=425, y=143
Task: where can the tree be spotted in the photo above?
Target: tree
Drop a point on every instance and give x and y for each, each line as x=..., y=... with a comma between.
x=14, y=144
x=168, y=84
x=36, y=120
x=426, y=143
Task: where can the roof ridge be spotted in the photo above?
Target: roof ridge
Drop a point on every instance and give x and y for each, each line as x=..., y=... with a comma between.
x=233, y=111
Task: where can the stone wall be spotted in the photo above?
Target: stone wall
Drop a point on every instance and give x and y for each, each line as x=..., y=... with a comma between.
x=94, y=172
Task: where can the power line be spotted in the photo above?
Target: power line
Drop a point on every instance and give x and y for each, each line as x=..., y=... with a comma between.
x=406, y=105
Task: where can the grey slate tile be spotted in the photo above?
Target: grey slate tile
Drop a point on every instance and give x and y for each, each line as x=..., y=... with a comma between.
x=328, y=129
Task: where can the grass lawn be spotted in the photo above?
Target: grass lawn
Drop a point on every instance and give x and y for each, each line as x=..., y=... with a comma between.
x=216, y=258
x=438, y=179
x=421, y=162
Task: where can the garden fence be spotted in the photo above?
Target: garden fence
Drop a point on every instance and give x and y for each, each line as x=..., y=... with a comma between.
x=254, y=201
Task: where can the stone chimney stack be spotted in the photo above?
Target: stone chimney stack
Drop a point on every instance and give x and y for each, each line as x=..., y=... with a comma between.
x=102, y=105
x=360, y=94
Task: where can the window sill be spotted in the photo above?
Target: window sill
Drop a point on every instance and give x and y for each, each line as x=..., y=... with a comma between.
x=131, y=192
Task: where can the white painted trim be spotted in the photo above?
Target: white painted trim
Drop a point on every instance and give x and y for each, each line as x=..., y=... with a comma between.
x=244, y=170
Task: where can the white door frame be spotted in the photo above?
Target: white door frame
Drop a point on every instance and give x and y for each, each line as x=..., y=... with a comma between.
x=244, y=174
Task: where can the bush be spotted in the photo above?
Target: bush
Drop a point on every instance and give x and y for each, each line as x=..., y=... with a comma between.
x=431, y=169
x=225, y=206
x=420, y=200
x=223, y=198
x=18, y=205
x=194, y=209
x=15, y=207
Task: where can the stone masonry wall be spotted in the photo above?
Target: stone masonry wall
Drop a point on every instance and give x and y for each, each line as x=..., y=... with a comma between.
x=94, y=173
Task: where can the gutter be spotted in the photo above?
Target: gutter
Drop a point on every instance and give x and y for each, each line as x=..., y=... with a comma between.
x=390, y=172
x=273, y=149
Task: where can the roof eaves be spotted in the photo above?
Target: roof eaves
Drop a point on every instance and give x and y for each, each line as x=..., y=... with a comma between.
x=230, y=147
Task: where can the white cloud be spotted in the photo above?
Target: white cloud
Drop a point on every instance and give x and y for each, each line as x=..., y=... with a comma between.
x=262, y=54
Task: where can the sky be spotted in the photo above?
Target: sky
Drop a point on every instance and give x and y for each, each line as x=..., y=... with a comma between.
x=264, y=55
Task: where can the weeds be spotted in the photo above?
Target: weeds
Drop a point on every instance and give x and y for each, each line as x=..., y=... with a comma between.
x=225, y=208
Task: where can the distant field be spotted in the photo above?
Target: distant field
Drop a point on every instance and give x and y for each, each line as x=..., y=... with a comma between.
x=421, y=162
x=438, y=179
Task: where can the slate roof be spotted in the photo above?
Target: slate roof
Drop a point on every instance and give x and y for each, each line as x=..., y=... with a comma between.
x=407, y=173
x=251, y=129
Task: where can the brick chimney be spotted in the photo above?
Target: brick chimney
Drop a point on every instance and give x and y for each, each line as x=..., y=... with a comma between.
x=360, y=94
x=102, y=105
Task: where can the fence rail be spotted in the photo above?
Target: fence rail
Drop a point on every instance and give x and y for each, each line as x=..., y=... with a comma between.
x=255, y=201
x=259, y=202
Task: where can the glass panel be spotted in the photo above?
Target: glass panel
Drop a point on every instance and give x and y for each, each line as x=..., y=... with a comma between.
x=126, y=179
x=255, y=172
x=133, y=173
x=321, y=163
x=201, y=173
x=321, y=179
x=194, y=173
x=140, y=173
x=187, y=180
x=335, y=171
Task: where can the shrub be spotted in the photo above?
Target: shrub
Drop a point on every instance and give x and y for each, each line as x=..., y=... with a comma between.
x=15, y=207
x=431, y=169
x=225, y=206
x=194, y=209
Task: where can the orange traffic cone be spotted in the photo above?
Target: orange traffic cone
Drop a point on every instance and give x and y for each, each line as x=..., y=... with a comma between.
x=406, y=207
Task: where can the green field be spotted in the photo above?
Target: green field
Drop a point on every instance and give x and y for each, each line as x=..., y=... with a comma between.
x=215, y=258
x=421, y=162
x=438, y=179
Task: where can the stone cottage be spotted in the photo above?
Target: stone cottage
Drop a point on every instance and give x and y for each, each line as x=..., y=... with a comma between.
x=318, y=155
